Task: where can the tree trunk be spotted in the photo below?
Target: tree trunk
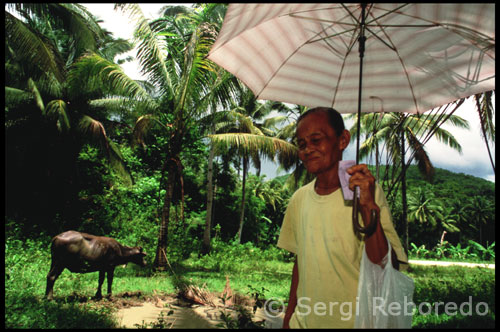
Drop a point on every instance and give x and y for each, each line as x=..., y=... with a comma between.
x=242, y=212
x=181, y=183
x=403, y=191
x=161, y=251
x=210, y=195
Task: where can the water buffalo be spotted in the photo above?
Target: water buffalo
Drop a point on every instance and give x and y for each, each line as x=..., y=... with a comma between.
x=83, y=253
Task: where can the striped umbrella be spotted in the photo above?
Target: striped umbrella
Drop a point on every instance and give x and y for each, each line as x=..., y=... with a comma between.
x=353, y=57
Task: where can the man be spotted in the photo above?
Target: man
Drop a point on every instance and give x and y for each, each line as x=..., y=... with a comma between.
x=318, y=229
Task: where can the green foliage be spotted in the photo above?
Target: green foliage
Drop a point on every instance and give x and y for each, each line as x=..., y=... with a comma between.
x=461, y=204
x=483, y=253
x=63, y=175
x=234, y=257
x=243, y=319
x=473, y=252
x=26, y=265
x=258, y=296
x=434, y=285
x=260, y=273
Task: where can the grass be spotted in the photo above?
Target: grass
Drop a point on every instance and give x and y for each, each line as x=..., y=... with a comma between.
x=439, y=286
x=248, y=268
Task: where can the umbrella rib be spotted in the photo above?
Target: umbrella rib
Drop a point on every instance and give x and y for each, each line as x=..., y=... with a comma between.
x=349, y=48
x=321, y=20
x=331, y=36
x=462, y=31
x=400, y=60
x=387, y=13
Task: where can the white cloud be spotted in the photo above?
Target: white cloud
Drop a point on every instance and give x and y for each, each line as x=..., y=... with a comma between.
x=474, y=159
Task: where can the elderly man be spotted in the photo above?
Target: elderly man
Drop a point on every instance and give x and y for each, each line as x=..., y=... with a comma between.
x=317, y=228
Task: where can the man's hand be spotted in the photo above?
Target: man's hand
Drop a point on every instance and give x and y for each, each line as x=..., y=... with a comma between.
x=376, y=243
x=363, y=178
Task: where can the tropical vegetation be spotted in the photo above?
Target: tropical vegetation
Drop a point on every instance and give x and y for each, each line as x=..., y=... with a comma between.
x=164, y=162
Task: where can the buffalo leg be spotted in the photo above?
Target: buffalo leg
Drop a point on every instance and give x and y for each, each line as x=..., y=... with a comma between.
x=110, y=280
x=54, y=273
x=98, y=295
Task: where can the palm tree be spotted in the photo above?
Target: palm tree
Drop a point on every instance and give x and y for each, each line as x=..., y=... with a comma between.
x=397, y=130
x=480, y=211
x=210, y=124
x=43, y=44
x=450, y=220
x=391, y=129
x=48, y=45
x=424, y=208
x=172, y=53
x=253, y=139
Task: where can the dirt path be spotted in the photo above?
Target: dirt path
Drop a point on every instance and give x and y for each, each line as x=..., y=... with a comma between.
x=182, y=317
x=185, y=315
x=444, y=263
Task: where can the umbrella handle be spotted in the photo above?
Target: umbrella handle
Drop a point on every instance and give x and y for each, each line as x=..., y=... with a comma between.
x=370, y=228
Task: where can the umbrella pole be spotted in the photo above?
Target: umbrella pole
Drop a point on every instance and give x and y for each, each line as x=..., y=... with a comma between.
x=361, y=41
x=370, y=228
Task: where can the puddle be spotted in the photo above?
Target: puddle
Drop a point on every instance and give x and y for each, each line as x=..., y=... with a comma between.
x=184, y=317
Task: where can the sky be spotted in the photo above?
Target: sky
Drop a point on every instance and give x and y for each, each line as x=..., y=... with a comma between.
x=474, y=159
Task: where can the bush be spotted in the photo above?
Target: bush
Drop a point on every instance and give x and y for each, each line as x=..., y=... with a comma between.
x=472, y=252
x=234, y=257
x=440, y=285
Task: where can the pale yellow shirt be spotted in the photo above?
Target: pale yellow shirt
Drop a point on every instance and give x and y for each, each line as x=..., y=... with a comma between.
x=318, y=229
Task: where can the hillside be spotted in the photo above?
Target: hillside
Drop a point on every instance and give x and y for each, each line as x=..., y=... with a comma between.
x=450, y=184
x=445, y=183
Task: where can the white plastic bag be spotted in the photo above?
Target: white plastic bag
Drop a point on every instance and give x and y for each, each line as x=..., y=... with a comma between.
x=385, y=295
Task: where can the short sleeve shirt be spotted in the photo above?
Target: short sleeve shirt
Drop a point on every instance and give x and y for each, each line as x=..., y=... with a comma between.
x=318, y=229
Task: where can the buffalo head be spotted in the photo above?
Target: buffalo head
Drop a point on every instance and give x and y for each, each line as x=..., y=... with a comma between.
x=138, y=256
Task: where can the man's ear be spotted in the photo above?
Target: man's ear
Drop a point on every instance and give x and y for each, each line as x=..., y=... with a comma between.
x=344, y=139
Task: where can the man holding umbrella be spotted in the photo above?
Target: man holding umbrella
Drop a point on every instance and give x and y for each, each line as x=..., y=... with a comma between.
x=317, y=228
x=412, y=57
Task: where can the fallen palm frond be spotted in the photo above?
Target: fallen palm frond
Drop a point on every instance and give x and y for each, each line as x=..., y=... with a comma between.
x=200, y=295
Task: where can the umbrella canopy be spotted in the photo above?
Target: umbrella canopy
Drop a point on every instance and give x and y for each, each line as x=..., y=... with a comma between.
x=387, y=57
x=417, y=56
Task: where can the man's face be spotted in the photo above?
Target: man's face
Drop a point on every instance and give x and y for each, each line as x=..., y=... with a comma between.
x=319, y=147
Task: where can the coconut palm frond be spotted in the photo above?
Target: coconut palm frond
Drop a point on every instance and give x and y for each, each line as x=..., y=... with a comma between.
x=149, y=50
x=99, y=74
x=423, y=161
x=274, y=121
x=95, y=131
x=486, y=119
x=115, y=47
x=15, y=96
x=117, y=163
x=287, y=132
x=487, y=115
x=249, y=143
x=142, y=125
x=36, y=94
x=57, y=109
x=112, y=104
x=71, y=17
x=33, y=49
x=80, y=23
x=49, y=85
x=447, y=138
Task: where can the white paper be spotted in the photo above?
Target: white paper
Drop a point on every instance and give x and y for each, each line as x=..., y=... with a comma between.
x=344, y=179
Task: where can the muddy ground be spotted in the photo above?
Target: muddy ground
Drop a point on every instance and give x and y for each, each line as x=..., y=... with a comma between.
x=136, y=310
